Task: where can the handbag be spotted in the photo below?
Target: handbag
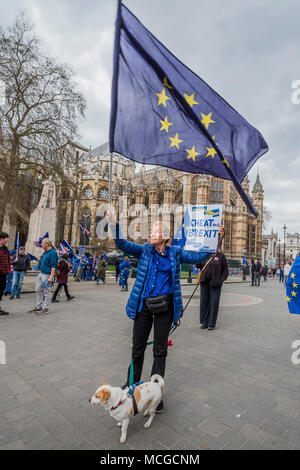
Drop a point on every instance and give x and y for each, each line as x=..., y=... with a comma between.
x=159, y=304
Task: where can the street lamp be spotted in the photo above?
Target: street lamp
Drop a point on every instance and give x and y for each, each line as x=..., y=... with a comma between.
x=279, y=251
x=284, y=229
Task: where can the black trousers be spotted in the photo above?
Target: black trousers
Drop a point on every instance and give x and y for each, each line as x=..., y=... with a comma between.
x=209, y=304
x=141, y=330
x=2, y=284
x=58, y=289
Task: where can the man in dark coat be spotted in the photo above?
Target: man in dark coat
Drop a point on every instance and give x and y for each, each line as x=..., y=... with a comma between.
x=211, y=285
x=21, y=264
x=4, y=266
x=62, y=278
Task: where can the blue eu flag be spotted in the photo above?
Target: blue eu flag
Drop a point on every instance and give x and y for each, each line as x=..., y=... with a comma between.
x=181, y=234
x=293, y=289
x=164, y=114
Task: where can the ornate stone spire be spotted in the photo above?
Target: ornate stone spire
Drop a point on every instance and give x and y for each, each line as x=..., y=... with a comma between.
x=141, y=183
x=128, y=186
x=117, y=188
x=258, y=188
x=170, y=180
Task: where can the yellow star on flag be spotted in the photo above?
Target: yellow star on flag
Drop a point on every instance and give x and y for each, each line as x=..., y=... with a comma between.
x=192, y=153
x=162, y=98
x=206, y=120
x=225, y=162
x=165, y=124
x=211, y=152
x=175, y=141
x=191, y=99
x=294, y=294
x=165, y=81
x=295, y=285
x=288, y=299
x=293, y=275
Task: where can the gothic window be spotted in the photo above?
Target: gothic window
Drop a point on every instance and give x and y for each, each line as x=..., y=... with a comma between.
x=87, y=192
x=103, y=193
x=228, y=235
x=251, y=235
x=194, y=190
x=217, y=191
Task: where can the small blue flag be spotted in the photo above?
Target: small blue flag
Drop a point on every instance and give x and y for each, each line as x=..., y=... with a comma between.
x=65, y=245
x=39, y=242
x=293, y=288
x=245, y=262
x=17, y=241
x=164, y=114
x=181, y=234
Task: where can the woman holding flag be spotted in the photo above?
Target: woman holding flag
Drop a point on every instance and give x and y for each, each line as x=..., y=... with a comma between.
x=155, y=298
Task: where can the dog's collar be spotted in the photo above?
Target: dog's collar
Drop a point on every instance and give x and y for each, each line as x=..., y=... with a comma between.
x=119, y=404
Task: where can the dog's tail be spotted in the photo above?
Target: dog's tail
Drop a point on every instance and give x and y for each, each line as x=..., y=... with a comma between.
x=157, y=378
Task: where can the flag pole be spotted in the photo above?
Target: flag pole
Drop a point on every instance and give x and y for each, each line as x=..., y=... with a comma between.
x=114, y=95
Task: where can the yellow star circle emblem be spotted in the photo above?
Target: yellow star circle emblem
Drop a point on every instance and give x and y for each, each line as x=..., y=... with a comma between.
x=162, y=98
x=294, y=294
x=293, y=275
x=192, y=153
x=165, y=125
x=175, y=141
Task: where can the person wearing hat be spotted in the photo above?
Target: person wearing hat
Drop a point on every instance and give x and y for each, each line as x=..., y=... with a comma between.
x=21, y=264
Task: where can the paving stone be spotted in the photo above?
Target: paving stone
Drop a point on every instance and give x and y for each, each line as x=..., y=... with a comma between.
x=212, y=427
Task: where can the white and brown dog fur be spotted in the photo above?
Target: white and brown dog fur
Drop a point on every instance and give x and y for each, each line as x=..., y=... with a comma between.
x=147, y=397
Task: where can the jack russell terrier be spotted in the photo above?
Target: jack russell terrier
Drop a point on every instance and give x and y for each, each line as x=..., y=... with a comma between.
x=122, y=404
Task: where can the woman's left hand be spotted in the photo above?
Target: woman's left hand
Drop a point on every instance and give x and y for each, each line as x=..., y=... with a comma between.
x=221, y=231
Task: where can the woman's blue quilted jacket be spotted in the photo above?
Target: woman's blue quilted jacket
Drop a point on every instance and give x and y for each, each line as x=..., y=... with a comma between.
x=144, y=254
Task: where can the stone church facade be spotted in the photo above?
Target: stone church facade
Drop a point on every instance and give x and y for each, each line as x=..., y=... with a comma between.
x=155, y=186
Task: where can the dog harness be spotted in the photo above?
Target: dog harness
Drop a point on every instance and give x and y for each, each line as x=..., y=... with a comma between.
x=131, y=393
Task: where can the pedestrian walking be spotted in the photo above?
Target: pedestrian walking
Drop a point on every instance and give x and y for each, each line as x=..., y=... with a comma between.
x=101, y=270
x=281, y=274
x=253, y=268
x=155, y=299
x=257, y=272
x=5, y=266
x=44, y=281
x=117, y=268
x=211, y=285
x=62, y=278
x=125, y=267
x=21, y=264
x=287, y=268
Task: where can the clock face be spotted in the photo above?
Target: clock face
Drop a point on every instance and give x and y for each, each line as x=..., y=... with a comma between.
x=104, y=194
x=88, y=192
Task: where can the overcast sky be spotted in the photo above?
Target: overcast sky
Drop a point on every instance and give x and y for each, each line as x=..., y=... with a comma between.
x=247, y=50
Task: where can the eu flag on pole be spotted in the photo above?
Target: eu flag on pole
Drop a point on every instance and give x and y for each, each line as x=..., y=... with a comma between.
x=181, y=234
x=293, y=288
x=164, y=114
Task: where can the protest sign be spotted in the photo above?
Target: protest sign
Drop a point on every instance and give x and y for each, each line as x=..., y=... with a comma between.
x=204, y=224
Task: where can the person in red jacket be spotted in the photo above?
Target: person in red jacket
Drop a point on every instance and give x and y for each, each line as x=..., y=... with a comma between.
x=4, y=266
x=62, y=278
